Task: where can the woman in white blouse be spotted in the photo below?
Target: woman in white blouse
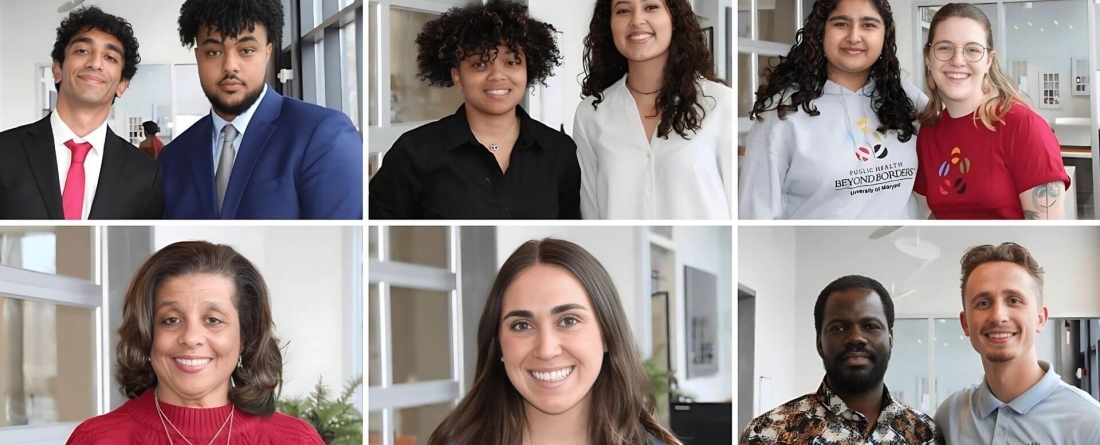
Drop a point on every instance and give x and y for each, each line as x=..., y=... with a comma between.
x=654, y=133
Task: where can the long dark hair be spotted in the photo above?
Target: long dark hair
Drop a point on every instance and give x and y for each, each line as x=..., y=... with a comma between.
x=680, y=100
x=802, y=74
x=262, y=372
x=622, y=399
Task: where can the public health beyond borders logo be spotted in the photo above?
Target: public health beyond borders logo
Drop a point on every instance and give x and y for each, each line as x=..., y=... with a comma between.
x=864, y=154
x=959, y=184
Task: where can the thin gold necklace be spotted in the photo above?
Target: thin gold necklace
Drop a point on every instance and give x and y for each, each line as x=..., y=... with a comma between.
x=163, y=417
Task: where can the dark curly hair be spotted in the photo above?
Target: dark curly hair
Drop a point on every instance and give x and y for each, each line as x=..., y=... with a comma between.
x=680, y=99
x=261, y=373
x=230, y=18
x=802, y=74
x=853, y=282
x=478, y=30
x=91, y=17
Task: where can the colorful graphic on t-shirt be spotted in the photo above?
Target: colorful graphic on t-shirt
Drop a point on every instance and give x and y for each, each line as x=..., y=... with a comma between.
x=959, y=183
x=873, y=178
x=864, y=152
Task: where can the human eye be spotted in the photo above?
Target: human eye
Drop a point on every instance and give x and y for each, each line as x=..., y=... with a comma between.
x=570, y=321
x=248, y=51
x=835, y=328
x=214, y=320
x=520, y=326
x=213, y=53
x=171, y=321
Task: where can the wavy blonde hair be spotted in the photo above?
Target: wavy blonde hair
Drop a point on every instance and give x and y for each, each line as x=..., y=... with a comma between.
x=1000, y=92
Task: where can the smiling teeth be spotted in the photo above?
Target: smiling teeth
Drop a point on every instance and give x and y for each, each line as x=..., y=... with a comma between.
x=196, y=362
x=640, y=37
x=957, y=76
x=498, y=92
x=1000, y=335
x=553, y=376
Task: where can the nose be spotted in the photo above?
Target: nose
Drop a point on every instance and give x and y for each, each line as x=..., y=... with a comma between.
x=496, y=70
x=637, y=20
x=95, y=61
x=957, y=58
x=230, y=64
x=549, y=345
x=855, y=337
x=999, y=313
x=193, y=335
x=855, y=35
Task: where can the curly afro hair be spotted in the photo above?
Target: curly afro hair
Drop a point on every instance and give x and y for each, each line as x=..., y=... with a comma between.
x=802, y=75
x=680, y=99
x=91, y=17
x=230, y=18
x=477, y=30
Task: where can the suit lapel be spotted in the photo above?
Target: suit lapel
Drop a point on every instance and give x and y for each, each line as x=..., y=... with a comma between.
x=111, y=175
x=202, y=167
x=255, y=140
x=38, y=146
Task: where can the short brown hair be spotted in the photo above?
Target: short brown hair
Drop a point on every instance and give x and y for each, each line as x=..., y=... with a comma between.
x=1006, y=252
x=262, y=373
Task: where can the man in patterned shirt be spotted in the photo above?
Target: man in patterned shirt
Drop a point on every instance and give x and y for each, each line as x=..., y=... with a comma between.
x=854, y=319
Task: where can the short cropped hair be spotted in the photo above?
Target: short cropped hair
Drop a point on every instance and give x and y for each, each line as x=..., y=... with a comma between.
x=853, y=282
x=1006, y=252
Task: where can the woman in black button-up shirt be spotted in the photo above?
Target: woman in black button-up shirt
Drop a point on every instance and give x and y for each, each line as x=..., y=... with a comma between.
x=489, y=160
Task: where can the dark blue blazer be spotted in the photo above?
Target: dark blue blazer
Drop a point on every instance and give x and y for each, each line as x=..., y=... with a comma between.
x=297, y=161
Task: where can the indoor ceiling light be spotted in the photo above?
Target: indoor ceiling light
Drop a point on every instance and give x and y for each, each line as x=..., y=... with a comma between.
x=69, y=6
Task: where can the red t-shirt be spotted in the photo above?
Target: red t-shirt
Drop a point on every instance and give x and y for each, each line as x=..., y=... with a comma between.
x=969, y=172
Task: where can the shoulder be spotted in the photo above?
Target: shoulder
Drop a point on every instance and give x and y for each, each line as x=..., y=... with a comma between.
x=292, y=429
x=777, y=419
x=550, y=138
x=427, y=138
x=116, y=425
x=1078, y=401
x=914, y=93
x=299, y=113
x=586, y=109
x=722, y=94
x=1020, y=114
x=918, y=423
x=129, y=152
x=16, y=131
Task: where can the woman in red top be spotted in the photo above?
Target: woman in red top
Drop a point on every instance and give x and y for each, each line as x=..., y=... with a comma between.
x=983, y=153
x=152, y=144
x=197, y=356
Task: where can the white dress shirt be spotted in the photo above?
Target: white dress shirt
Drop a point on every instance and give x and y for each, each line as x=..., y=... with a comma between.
x=92, y=164
x=624, y=176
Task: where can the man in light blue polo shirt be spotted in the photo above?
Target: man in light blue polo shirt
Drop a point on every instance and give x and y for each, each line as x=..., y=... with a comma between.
x=1021, y=400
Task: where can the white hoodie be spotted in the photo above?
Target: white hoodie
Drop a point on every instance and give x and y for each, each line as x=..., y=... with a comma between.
x=831, y=166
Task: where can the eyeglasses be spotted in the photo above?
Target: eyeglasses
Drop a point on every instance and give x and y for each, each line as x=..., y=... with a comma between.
x=972, y=52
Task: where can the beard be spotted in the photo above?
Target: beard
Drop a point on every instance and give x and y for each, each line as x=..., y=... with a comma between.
x=237, y=109
x=850, y=380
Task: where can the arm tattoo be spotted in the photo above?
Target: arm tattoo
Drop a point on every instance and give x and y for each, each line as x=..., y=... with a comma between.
x=1044, y=197
x=1031, y=214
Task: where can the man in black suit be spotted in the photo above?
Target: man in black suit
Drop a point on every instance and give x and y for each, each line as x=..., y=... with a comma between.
x=70, y=165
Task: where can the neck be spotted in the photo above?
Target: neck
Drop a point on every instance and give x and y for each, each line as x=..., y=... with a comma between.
x=226, y=116
x=216, y=398
x=570, y=427
x=963, y=107
x=82, y=120
x=851, y=81
x=1007, y=380
x=868, y=403
x=492, y=126
x=647, y=76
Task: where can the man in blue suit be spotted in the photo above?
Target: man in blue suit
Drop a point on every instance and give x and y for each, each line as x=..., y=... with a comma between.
x=257, y=155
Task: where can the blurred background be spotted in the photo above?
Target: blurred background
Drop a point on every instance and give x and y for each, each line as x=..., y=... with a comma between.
x=427, y=287
x=785, y=268
x=61, y=295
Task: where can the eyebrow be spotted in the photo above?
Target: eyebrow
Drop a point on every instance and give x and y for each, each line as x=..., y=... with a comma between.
x=866, y=18
x=555, y=311
x=205, y=304
x=88, y=40
x=953, y=43
x=248, y=38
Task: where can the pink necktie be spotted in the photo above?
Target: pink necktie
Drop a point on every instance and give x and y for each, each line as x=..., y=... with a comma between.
x=72, y=199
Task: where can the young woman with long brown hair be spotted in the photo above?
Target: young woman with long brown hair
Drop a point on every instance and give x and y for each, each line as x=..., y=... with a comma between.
x=556, y=361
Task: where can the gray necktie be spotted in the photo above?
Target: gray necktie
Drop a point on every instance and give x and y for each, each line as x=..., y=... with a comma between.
x=225, y=163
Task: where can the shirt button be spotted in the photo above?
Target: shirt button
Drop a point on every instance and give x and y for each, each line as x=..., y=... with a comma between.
x=649, y=155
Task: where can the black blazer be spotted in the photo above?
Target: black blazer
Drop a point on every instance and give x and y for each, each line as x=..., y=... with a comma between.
x=129, y=181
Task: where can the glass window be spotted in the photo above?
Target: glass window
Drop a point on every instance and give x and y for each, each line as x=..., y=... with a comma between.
x=908, y=379
x=374, y=361
x=415, y=425
x=426, y=246
x=64, y=251
x=744, y=25
x=47, y=355
x=777, y=21
x=957, y=365
x=351, y=74
x=374, y=428
x=372, y=71
x=412, y=100
x=420, y=327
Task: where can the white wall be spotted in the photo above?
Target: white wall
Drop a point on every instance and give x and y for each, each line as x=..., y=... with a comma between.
x=306, y=272
x=1034, y=43
x=27, y=35
x=709, y=249
x=766, y=264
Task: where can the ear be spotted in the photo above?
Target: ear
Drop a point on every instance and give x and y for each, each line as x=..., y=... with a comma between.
x=1043, y=314
x=122, y=86
x=891, y=338
x=454, y=78
x=270, y=49
x=820, y=353
x=962, y=321
x=56, y=71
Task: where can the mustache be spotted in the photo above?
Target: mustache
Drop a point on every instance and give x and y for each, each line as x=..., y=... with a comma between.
x=861, y=349
x=231, y=77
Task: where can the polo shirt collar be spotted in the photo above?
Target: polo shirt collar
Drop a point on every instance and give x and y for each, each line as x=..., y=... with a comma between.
x=987, y=402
